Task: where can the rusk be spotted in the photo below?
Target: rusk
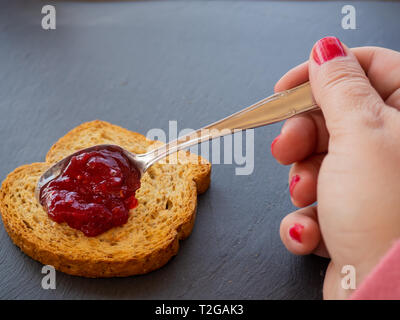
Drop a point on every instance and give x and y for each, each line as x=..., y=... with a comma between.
x=165, y=214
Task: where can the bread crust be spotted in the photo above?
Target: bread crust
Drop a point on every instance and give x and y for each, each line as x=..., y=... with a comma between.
x=165, y=215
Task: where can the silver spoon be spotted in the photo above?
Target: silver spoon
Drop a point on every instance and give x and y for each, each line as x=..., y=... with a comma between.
x=277, y=107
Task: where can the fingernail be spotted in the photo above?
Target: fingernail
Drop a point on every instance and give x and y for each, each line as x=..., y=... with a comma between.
x=273, y=143
x=326, y=49
x=295, y=232
x=293, y=182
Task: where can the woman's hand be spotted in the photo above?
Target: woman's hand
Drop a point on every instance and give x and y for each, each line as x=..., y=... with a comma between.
x=346, y=157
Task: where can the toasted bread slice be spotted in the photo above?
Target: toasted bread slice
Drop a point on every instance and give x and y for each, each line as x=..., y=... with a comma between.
x=165, y=214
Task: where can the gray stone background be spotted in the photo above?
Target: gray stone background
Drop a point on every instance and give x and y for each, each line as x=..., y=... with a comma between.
x=141, y=64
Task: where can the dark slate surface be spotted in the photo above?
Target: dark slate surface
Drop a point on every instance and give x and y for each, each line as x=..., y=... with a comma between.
x=141, y=64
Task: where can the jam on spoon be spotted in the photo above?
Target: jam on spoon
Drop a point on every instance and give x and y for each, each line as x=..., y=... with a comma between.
x=94, y=192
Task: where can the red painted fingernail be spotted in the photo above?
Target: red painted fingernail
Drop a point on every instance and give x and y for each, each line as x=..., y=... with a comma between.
x=273, y=143
x=295, y=232
x=326, y=49
x=293, y=182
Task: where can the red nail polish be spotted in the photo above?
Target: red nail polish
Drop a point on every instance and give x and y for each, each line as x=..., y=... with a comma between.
x=293, y=182
x=295, y=232
x=326, y=49
x=273, y=143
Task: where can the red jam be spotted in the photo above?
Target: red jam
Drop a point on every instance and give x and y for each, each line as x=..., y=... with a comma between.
x=94, y=192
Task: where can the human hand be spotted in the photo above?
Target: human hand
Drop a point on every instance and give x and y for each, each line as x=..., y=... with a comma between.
x=346, y=157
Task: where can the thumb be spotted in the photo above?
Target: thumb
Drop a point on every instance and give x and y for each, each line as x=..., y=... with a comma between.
x=341, y=88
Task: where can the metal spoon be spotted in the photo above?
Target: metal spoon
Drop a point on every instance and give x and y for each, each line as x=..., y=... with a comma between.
x=277, y=107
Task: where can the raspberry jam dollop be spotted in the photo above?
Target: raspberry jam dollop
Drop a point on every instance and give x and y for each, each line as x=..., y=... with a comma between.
x=94, y=192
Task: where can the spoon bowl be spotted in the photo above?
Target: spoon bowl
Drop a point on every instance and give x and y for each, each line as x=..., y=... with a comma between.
x=55, y=170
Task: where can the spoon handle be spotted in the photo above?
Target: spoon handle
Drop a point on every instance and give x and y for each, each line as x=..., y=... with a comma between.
x=277, y=107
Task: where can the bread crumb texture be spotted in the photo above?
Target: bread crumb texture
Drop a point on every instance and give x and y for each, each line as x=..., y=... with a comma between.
x=165, y=214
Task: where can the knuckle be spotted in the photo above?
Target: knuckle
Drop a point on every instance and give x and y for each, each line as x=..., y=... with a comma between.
x=341, y=75
x=372, y=113
x=351, y=87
